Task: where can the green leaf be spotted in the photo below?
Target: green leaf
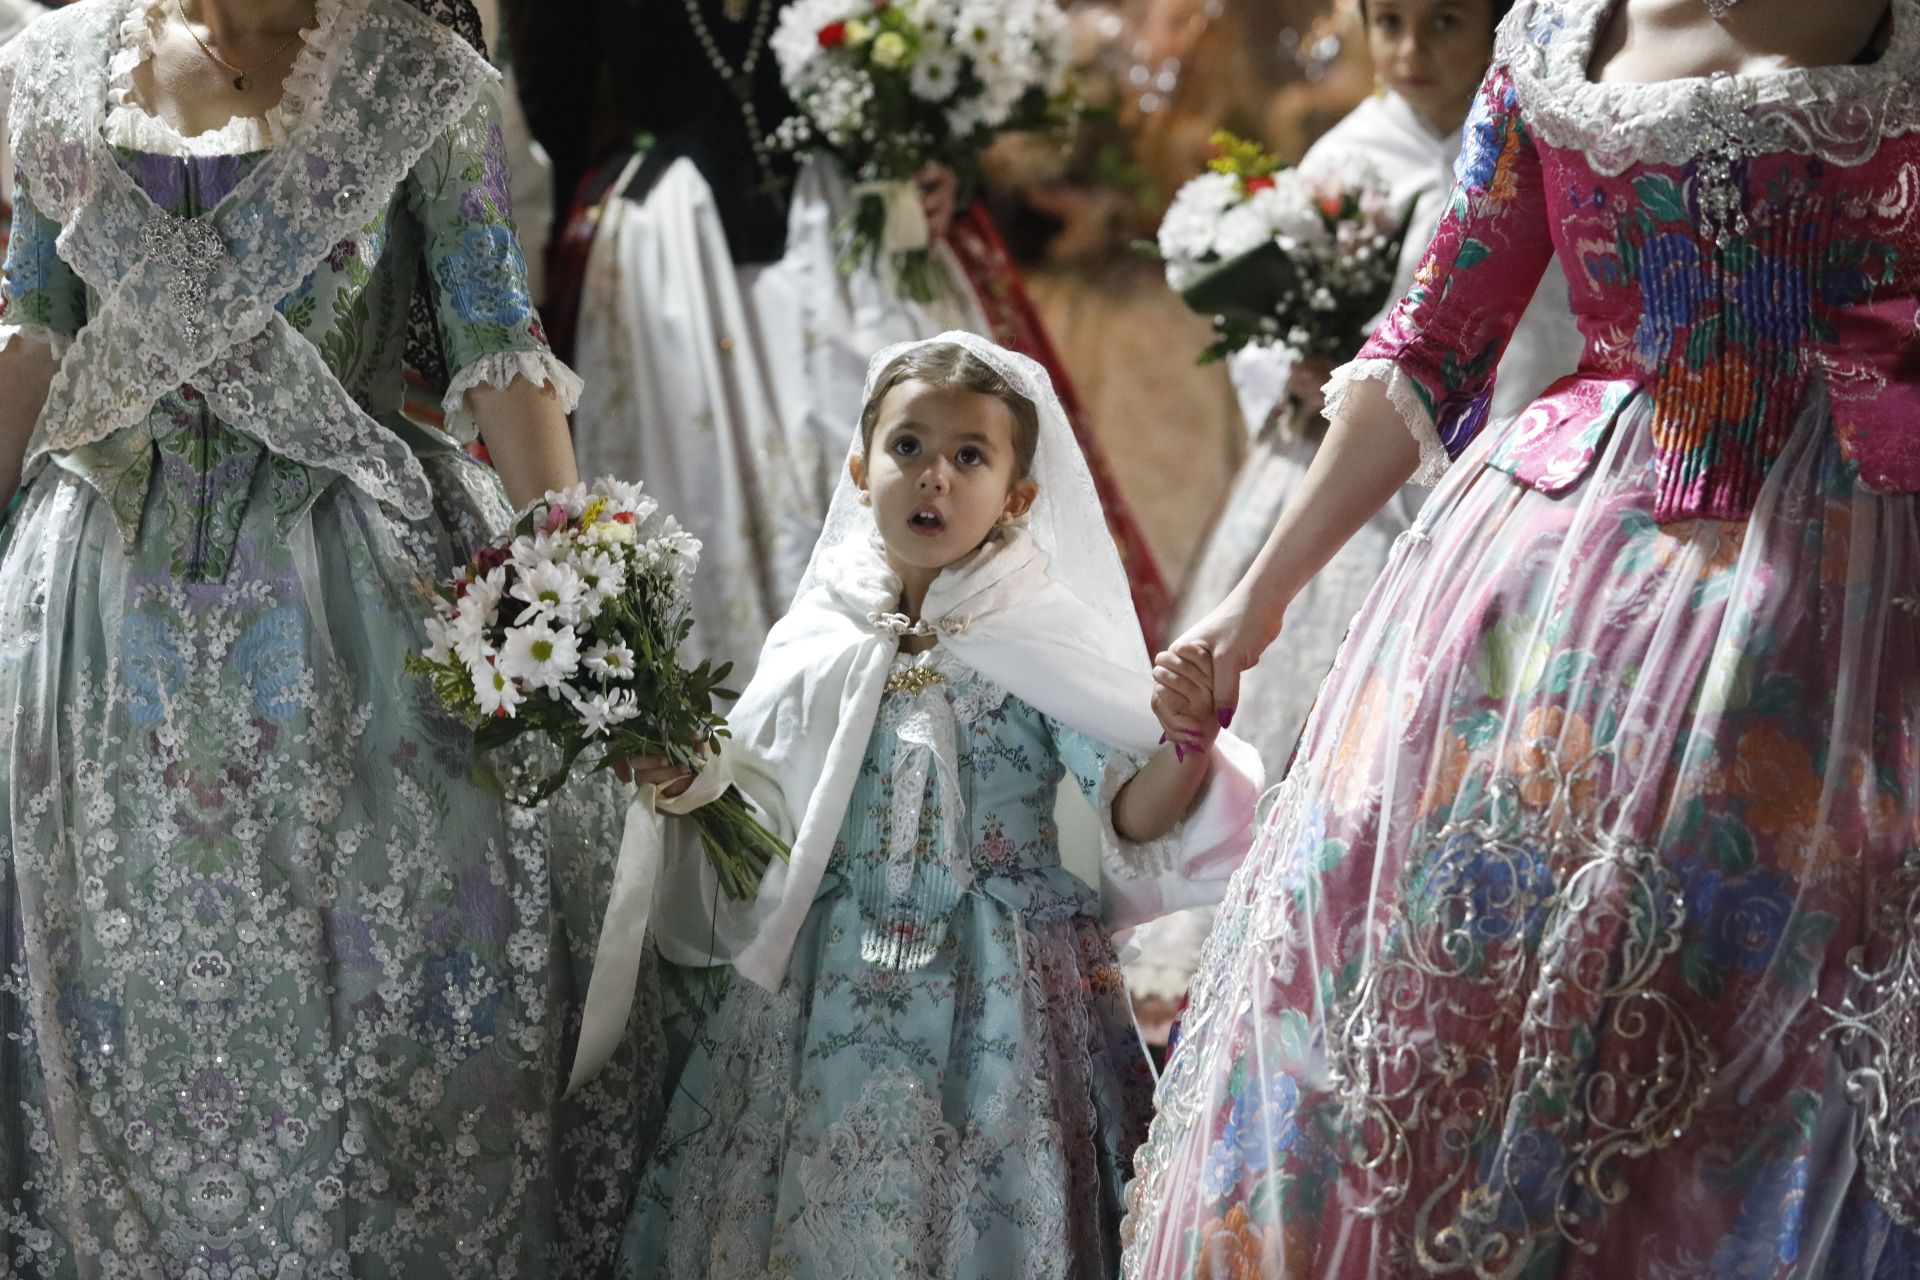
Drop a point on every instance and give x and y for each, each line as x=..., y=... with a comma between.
x=1698, y=969
x=1732, y=845
x=1471, y=255
x=1663, y=198
x=1703, y=344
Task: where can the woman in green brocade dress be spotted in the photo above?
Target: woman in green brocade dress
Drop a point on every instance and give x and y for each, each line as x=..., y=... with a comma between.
x=282, y=991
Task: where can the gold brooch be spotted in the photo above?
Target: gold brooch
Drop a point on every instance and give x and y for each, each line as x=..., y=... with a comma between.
x=914, y=680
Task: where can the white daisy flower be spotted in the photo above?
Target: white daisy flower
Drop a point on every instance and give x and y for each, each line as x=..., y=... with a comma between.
x=554, y=590
x=601, y=712
x=494, y=691
x=540, y=656
x=935, y=76
x=609, y=661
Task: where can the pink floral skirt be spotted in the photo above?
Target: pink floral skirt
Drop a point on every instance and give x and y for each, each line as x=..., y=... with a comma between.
x=1580, y=941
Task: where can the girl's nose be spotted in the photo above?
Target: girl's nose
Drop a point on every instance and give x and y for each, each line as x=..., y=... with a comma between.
x=933, y=476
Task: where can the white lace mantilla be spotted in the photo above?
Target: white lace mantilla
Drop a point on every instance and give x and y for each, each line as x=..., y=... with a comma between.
x=1839, y=113
x=193, y=303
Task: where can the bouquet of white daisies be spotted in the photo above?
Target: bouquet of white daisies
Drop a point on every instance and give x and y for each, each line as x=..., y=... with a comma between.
x=571, y=627
x=890, y=86
x=1302, y=260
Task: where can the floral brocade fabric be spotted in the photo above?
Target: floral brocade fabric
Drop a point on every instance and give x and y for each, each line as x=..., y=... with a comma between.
x=1582, y=940
x=949, y=1085
x=1729, y=243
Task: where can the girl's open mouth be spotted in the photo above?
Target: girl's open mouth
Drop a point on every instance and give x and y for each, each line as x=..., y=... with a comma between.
x=927, y=522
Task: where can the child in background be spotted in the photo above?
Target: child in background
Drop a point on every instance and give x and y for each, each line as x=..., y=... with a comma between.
x=925, y=1064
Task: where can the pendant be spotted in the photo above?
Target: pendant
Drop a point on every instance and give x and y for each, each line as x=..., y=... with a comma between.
x=240, y=83
x=736, y=10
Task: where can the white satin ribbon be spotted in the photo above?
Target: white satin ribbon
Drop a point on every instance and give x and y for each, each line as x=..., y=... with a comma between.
x=623, y=934
x=906, y=227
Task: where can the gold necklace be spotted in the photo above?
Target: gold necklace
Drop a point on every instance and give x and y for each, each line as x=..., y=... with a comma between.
x=240, y=74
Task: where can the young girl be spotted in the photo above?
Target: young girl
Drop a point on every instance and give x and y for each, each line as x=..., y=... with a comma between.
x=925, y=1065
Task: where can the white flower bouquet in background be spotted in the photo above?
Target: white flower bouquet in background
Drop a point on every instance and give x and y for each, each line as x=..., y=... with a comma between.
x=1302, y=260
x=890, y=86
x=571, y=627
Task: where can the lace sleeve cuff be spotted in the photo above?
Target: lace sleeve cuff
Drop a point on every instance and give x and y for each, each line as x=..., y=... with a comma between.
x=541, y=368
x=1405, y=398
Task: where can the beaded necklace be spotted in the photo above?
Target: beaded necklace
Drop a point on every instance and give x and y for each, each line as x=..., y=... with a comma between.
x=739, y=82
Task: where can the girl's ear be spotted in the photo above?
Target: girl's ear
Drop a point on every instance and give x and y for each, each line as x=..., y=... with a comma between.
x=857, y=468
x=1019, y=500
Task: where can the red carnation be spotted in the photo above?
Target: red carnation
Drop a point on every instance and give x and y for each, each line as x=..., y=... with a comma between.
x=833, y=35
x=624, y=517
x=1262, y=183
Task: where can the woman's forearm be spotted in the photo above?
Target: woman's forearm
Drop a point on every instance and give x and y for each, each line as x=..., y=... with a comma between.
x=525, y=431
x=1367, y=455
x=26, y=372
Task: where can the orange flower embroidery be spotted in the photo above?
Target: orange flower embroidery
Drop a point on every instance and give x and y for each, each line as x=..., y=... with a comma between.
x=1720, y=540
x=1553, y=751
x=1449, y=773
x=1775, y=776
x=1233, y=1248
x=1360, y=744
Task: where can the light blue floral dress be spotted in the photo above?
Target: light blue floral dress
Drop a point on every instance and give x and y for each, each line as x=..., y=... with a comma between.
x=950, y=1083
x=282, y=991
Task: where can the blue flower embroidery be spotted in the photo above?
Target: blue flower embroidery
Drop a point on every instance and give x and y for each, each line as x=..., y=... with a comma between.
x=484, y=278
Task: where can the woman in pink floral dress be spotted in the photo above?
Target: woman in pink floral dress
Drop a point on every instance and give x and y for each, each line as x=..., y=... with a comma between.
x=1581, y=941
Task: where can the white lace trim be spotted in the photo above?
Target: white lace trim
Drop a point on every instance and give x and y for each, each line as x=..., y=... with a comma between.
x=1838, y=113
x=130, y=124
x=1405, y=398
x=541, y=368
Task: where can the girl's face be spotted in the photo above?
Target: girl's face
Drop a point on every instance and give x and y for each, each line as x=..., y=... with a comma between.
x=1433, y=53
x=940, y=474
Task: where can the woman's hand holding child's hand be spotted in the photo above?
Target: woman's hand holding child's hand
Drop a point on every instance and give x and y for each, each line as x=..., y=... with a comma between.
x=1183, y=697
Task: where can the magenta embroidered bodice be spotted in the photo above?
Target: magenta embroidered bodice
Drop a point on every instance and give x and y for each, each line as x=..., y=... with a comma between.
x=1733, y=244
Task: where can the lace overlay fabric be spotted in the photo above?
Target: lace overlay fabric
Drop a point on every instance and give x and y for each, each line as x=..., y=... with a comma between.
x=948, y=1084
x=236, y=313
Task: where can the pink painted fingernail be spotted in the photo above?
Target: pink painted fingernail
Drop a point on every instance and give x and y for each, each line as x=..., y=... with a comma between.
x=1179, y=753
x=1226, y=717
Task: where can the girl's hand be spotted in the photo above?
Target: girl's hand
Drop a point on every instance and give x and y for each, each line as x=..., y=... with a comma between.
x=654, y=771
x=939, y=197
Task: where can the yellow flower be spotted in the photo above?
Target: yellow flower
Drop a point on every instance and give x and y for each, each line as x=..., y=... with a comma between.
x=890, y=49
x=858, y=32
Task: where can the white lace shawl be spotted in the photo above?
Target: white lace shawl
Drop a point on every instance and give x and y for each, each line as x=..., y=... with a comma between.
x=802, y=729
x=386, y=86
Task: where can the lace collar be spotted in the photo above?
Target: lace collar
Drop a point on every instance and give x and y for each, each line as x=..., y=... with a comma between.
x=1839, y=113
x=130, y=124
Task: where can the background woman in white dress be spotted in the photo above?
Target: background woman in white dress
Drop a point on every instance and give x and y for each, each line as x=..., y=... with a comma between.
x=1428, y=57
